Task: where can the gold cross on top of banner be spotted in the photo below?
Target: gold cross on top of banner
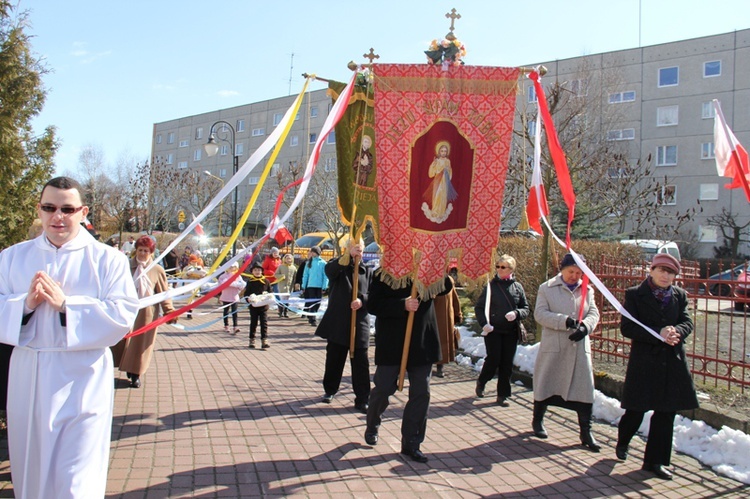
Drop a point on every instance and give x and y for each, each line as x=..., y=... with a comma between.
x=371, y=55
x=453, y=15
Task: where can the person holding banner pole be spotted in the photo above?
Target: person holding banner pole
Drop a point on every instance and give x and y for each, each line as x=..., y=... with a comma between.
x=563, y=372
x=335, y=326
x=391, y=308
x=658, y=377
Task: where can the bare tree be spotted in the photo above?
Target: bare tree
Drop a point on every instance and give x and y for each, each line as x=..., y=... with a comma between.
x=615, y=190
x=732, y=230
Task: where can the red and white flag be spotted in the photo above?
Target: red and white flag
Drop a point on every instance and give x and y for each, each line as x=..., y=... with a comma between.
x=198, y=228
x=731, y=157
x=536, y=206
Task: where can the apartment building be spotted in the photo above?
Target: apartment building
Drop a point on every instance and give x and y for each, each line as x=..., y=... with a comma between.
x=662, y=94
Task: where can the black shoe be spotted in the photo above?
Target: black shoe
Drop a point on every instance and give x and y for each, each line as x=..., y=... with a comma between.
x=371, y=437
x=252, y=343
x=502, y=402
x=539, y=430
x=327, y=399
x=621, y=451
x=658, y=470
x=135, y=382
x=314, y=323
x=479, y=391
x=439, y=372
x=189, y=316
x=130, y=376
x=361, y=408
x=587, y=439
x=415, y=455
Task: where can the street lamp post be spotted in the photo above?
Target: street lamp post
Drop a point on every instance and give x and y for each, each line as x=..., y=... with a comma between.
x=212, y=148
x=221, y=205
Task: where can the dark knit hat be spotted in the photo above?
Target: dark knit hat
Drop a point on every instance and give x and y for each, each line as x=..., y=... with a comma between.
x=568, y=260
x=316, y=250
x=666, y=260
x=256, y=265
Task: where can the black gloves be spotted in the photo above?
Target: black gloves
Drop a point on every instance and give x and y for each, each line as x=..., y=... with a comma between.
x=580, y=333
x=571, y=323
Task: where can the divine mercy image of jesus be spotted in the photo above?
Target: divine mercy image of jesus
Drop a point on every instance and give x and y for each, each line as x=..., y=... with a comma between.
x=440, y=192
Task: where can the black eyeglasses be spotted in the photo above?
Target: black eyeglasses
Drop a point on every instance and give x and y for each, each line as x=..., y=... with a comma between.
x=501, y=267
x=65, y=210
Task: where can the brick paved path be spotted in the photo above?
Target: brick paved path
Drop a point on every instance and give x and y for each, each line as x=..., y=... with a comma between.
x=216, y=419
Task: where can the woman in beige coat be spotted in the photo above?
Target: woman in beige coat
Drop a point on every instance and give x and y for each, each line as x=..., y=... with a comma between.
x=134, y=354
x=563, y=374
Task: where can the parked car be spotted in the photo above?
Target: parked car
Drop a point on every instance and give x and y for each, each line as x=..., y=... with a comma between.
x=529, y=234
x=650, y=247
x=321, y=239
x=742, y=290
x=371, y=252
x=724, y=288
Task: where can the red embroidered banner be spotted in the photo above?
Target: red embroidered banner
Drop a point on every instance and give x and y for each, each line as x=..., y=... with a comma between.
x=442, y=139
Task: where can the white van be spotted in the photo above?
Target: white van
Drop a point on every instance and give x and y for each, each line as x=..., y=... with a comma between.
x=651, y=247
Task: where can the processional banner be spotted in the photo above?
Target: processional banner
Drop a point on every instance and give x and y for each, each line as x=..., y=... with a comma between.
x=442, y=142
x=355, y=155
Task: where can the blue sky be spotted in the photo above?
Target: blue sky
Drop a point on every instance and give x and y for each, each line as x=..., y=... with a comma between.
x=119, y=67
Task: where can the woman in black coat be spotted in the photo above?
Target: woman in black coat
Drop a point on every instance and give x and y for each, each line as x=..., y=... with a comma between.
x=658, y=377
x=335, y=326
x=508, y=307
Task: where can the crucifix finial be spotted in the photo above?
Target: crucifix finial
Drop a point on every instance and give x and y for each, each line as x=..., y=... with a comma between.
x=453, y=15
x=371, y=55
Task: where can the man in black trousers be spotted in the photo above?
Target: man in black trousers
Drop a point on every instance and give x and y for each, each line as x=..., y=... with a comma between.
x=391, y=307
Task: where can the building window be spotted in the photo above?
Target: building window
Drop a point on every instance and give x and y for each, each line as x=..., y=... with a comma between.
x=223, y=128
x=580, y=88
x=253, y=180
x=170, y=138
x=293, y=140
x=240, y=125
x=275, y=170
x=259, y=132
x=711, y=69
x=158, y=138
x=314, y=112
x=313, y=137
x=296, y=118
x=277, y=118
x=667, y=115
x=666, y=156
x=707, y=150
x=197, y=154
x=239, y=149
x=624, y=134
x=669, y=77
x=707, y=234
x=184, y=143
x=618, y=97
x=667, y=195
x=532, y=128
x=330, y=165
x=531, y=94
x=223, y=149
x=709, y=192
x=199, y=133
x=708, y=111
x=170, y=159
x=222, y=172
x=182, y=164
x=331, y=137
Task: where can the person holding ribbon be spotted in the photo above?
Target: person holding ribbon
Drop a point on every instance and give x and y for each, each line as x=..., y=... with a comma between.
x=658, y=377
x=507, y=307
x=563, y=373
x=133, y=355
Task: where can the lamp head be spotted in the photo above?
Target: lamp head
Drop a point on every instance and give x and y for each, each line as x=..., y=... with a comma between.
x=211, y=147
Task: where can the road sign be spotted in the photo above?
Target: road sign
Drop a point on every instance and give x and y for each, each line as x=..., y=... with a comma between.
x=181, y=216
x=181, y=226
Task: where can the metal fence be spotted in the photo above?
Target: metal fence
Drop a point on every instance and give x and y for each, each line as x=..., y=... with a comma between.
x=717, y=350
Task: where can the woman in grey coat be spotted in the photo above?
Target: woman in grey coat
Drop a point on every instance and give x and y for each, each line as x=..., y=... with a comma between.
x=563, y=375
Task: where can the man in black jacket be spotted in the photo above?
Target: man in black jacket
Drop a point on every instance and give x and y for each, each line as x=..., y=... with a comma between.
x=336, y=326
x=391, y=307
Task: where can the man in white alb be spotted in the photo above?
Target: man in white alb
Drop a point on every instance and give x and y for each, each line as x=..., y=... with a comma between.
x=65, y=299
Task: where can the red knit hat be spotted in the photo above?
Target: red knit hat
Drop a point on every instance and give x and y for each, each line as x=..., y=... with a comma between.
x=666, y=260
